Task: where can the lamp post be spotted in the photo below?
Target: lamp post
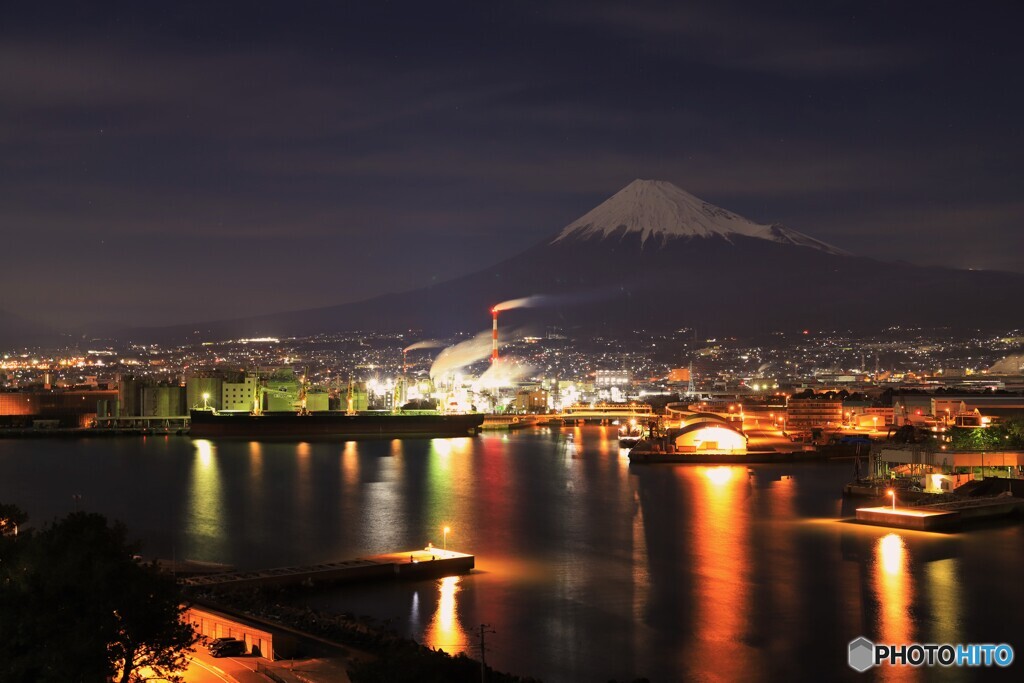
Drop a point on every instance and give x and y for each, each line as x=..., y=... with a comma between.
x=206, y=400
x=446, y=530
x=892, y=494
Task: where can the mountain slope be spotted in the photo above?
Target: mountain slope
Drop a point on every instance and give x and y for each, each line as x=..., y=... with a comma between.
x=16, y=331
x=654, y=257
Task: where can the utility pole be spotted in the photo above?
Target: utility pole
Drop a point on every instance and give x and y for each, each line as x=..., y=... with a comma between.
x=484, y=630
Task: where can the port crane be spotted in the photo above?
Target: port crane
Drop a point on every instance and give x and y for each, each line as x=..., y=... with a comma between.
x=297, y=395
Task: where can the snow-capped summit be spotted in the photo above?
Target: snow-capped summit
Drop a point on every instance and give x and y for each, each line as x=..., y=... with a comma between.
x=659, y=209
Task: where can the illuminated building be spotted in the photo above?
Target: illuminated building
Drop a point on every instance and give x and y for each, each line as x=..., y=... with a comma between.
x=531, y=401
x=611, y=378
x=239, y=395
x=813, y=412
x=709, y=434
x=197, y=387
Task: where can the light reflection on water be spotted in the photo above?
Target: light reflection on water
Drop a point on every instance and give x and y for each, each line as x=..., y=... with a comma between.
x=721, y=582
x=589, y=568
x=895, y=595
x=204, y=525
x=445, y=632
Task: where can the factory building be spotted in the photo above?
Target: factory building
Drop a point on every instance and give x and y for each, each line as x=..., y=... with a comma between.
x=163, y=401
x=129, y=395
x=57, y=408
x=211, y=386
x=611, y=378
x=531, y=401
x=239, y=396
x=805, y=413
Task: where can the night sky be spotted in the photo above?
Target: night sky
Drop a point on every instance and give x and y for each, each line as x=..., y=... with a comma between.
x=177, y=161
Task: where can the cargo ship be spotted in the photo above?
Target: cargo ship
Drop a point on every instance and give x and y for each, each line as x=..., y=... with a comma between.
x=333, y=424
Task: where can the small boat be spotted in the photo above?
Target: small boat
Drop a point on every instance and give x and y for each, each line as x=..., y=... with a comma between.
x=630, y=434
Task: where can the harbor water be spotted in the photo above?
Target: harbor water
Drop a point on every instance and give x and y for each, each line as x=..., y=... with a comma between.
x=588, y=569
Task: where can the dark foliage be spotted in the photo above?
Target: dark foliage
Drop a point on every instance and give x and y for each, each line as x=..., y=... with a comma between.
x=1006, y=435
x=395, y=659
x=77, y=606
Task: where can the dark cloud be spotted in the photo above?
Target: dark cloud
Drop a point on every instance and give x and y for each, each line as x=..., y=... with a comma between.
x=754, y=37
x=159, y=161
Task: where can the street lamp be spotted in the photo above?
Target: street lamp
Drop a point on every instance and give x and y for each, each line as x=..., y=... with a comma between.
x=892, y=494
x=446, y=530
x=206, y=399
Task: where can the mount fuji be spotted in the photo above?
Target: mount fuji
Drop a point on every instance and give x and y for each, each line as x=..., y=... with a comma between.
x=655, y=257
x=660, y=212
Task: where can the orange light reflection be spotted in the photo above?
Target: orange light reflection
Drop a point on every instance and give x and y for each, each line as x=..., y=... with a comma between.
x=895, y=594
x=721, y=547
x=445, y=632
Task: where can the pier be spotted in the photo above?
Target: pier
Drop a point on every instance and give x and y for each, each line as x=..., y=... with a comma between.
x=429, y=563
x=942, y=516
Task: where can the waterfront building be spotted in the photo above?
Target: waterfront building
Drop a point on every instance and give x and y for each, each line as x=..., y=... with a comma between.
x=806, y=413
x=239, y=395
x=163, y=401
x=58, y=407
x=709, y=433
x=531, y=401
x=204, y=390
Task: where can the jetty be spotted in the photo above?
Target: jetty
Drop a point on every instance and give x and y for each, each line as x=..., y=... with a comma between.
x=428, y=563
x=641, y=454
x=950, y=516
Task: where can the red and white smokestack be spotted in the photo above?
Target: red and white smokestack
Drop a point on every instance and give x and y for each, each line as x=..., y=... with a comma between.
x=494, y=335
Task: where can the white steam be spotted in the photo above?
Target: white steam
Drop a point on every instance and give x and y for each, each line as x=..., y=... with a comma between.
x=462, y=354
x=525, y=302
x=502, y=374
x=543, y=300
x=425, y=344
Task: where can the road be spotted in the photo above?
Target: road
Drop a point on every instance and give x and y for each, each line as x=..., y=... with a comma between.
x=203, y=668
x=206, y=669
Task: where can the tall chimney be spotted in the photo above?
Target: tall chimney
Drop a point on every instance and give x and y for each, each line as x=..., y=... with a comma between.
x=494, y=336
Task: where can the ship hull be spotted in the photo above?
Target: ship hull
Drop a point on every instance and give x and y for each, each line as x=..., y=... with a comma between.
x=205, y=424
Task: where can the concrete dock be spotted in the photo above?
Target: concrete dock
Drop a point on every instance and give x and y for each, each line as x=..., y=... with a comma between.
x=909, y=518
x=428, y=563
x=942, y=516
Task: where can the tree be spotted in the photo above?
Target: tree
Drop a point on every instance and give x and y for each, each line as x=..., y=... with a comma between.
x=11, y=518
x=77, y=605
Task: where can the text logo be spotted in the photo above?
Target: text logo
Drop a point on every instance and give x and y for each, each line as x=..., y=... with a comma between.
x=862, y=654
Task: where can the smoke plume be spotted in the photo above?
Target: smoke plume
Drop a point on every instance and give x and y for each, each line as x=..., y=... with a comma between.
x=525, y=302
x=544, y=300
x=462, y=354
x=425, y=344
x=502, y=374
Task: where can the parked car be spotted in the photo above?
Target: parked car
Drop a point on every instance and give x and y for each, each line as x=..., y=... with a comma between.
x=217, y=642
x=228, y=648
